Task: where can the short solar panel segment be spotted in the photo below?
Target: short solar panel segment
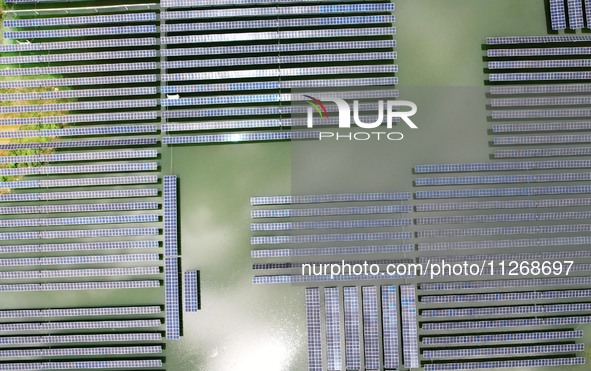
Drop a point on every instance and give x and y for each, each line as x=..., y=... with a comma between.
x=314, y=329
x=575, y=14
x=410, y=348
x=333, y=327
x=172, y=307
x=557, y=16
x=191, y=286
x=170, y=216
x=371, y=327
x=352, y=341
x=525, y=363
x=493, y=338
x=390, y=327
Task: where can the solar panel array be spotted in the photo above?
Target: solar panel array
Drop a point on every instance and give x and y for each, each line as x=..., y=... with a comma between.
x=172, y=294
x=333, y=327
x=314, y=329
x=371, y=334
x=191, y=286
x=390, y=327
x=170, y=215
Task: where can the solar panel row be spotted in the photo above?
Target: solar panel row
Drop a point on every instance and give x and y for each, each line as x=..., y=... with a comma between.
x=61, y=286
x=191, y=286
x=493, y=338
x=326, y=211
x=61, y=352
x=121, y=364
x=82, y=246
x=506, y=364
x=87, y=338
x=47, y=196
x=79, y=273
x=76, y=312
x=84, y=259
x=172, y=296
x=170, y=215
x=276, y=253
x=410, y=347
x=314, y=329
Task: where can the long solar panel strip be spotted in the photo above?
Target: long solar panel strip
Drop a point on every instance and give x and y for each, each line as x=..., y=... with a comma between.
x=191, y=286
x=331, y=224
x=84, y=156
x=504, y=351
x=557, y=16
x=94, y=117
x=333, y=328
x=79, y=32
x=518, y=204
x=44, y=222
x=495, y=311
x=84, y=259
x=114, y=193
x=81, y=93
x=503, y=218
x=276, y=253
x=503, y=192
x=580, y=254
x=346, y=197
x=240, y=137
x=506, y=323
x=503, y=166
x=87, y=365
x=79, y=233
x=75, y=81
x=539, y=101
x=541, y=89
x=317, y=238
x=390, y=327
x=410, y=348
x=360, y=210
x=80, y=20
x=170, y=216
x=80, y=182
x=61, y=352
x=588, y=12
x=115, y=129
x=90, y=338
x=64, y=286
x=273, y=11
x=80, y=169
x=314, y=329
x=539, y=76
x=492, y=338
x=575, y=228
x=507, y=283
x=273, y=279
x=78, y=208
x=76, y=312
x=370, y=327
x=75, y=325
x=87, y=246
x=560, y=63
x=503, y=179
x=81, y=44
x=82, y=143
x=68, y=273
x=524, y=363
x=352, y=341
x=172, y=307
x=541, y=139
x=526, y=295
x=550, y=152
x=536, y=39
x=575, y=14
x=92, y=68
x=200, y=3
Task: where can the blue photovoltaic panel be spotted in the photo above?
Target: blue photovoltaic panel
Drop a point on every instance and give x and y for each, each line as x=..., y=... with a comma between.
x=491, y=218
x=172, y=307
x=370, y=327
x=575, y=228
x=115, y=129
x=588, y=12
x=92, y=68
x=557, y=15
x=277, y=253
x=511, y=296
x=318, y=238
x=503, y=244
x=78, y=325
x=518, y=204
x=507, y=283
x=361, y=210
x=86, y=44
x=331, y=224
x=536, y=39
x=561, y=63
x=525, y=127
x=44, y=222
x=75, y=312
x=497, y=311
x=513, y=256
x=541, y=89
x=61, y=352
x=85, y=365
x=75, y=81
x=191, y=291
x=68, y=273
x=390, y=327
x=504, y=351
x=83, y=143
x=499, y=192
x=506, y=323
x=541, y=139
x=503, y=166
x=314, y=329
x=79, y=233
x=352, y=341
x=170, y=216
x=537, y=152
x=115, y=193
x=94, y=117
x=87, y=246
x=503, y=338
x=516, y=364
x=346, y=197
x=410, y=348
x=84, y=259
x=83, y=20
x=77, y=169
x=575, y=14
x=500, y=179
x=333, y=327
x=79, y=32
x=90, y=338
x=86, y=286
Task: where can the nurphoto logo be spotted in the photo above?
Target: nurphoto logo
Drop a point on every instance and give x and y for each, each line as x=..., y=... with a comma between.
x=385, y=109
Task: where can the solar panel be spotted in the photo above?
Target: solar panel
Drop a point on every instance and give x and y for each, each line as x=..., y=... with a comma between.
x=370, y=327
x=90, y=68
x=116, y=193
x=346, y=197
x=505, y=351
x=550, y=152
x=326, y=211
x=525, y=127
x=79, y=32
x=557, y=15
x=60, y=352
x=76, y=169
x=333, y=327
x=66, y=273
x=317, y=238
x=76, y=312
x=152, y=363
x=538, y=76
x=497, y=311
x=352, y=341
x=500, y=179
x=191, y=291
x=80, y=20
x=271, y=11
x=82, y=143
x=170, y=215
x=542, y=89
x=536, y=39
x=517, y=204
x=79, y=233
x=506, y=364
x=513, y=256
x=410, y=348
x=504, y=231
x=44, y=222
x=85, y=44
x=276, y=253
x=239, y=137
x=390, y=327
x=86, y=246
x=561, y=63
x=503, y=218
x=503, y=192
x=79, y=93
x=507, y=283
x=536, y=52
x=331, y=224
x=491, y=338
x=172, y=307
x=502, y=166
x=84, y=259
x=59, y=286
x=314, y=330
x=575, y=14
x=47, y=326
x=80, y=182
x=89, y=338
x=272, y=279
x=529, y=295
x=75, y=81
